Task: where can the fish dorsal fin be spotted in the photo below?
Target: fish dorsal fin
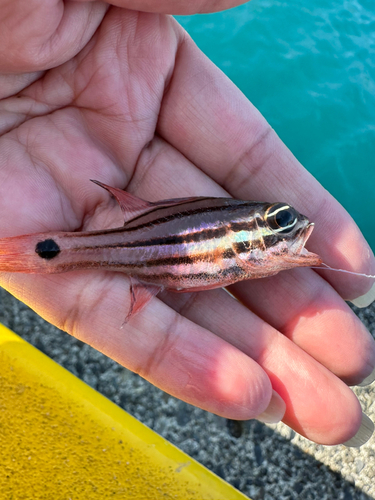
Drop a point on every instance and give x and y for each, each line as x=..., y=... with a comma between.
x=132, y=206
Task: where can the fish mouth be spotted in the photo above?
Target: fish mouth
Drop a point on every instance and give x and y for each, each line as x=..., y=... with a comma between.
x=306, y=235
x=302, y=255
x=298, y=247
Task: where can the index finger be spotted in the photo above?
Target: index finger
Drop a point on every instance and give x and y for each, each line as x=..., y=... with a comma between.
x=242, y=153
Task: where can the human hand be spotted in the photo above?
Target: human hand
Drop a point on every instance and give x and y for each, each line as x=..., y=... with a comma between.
x=92, y=91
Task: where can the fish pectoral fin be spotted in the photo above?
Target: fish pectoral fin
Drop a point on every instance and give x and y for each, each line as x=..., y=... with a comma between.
x=240, y=261
x=140, y=296
x=246, y=265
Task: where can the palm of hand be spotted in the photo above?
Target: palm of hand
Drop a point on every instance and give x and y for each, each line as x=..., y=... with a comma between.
x=138, y=106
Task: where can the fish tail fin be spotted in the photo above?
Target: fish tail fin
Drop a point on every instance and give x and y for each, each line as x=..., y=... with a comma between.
x=33, y=253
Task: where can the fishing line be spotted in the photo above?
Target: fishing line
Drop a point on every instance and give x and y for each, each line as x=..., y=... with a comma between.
x=342, y=270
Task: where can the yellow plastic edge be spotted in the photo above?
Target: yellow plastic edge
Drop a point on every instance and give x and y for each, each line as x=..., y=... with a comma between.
x=62, y=439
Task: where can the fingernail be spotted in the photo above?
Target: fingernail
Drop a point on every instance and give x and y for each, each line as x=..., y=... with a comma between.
x=366, y=299
x=363, y=434
x=368, y=380
x=275, y=410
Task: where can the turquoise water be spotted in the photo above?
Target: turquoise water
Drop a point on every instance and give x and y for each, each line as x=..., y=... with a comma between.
x=309, y=67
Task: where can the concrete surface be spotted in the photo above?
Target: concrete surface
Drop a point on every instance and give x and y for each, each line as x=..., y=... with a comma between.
x=264, y=462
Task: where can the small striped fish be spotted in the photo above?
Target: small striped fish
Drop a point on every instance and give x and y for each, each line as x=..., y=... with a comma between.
x=185, y=244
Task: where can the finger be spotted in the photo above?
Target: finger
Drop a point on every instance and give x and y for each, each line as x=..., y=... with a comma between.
x=10, y=84
x=318, y=405
x=301, y=305
x=177, y=6
x=40, y=34
x=173, y=353
x=242, y=153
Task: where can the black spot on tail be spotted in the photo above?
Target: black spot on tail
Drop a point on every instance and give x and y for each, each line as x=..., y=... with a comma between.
x=47, y=249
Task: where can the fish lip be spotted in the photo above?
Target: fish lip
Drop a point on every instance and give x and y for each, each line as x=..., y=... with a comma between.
x=307, y=233
x=299, y=245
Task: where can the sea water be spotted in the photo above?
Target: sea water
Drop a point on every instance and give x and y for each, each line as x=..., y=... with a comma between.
x=309, y=67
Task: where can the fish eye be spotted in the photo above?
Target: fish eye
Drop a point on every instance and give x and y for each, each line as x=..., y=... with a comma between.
x=281, y=218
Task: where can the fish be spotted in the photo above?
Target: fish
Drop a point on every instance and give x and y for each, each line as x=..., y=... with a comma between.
x=181, y=244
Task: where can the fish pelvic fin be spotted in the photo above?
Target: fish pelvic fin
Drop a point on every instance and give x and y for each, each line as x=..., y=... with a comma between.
x=140, y=296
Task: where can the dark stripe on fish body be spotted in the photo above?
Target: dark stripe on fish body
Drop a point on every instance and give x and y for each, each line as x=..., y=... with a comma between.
x=197, y=276
x=177, y=215
x=166, y=261
x=180, y=215
x=269, y=240
x=237, y=227
x=160, y=220
x=163, y=207
x=183, y=259
x=203, y=234
x=228, y=253
x=264, y=242
x=196, y=236
x=151, y=278
x=242, y=246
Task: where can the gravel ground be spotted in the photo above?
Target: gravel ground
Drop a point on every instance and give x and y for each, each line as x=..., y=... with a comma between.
x=264, y=462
